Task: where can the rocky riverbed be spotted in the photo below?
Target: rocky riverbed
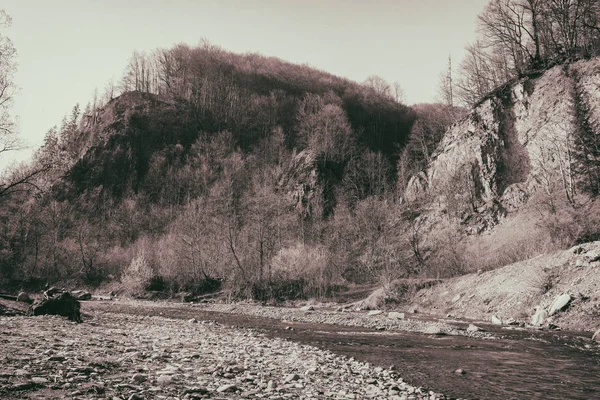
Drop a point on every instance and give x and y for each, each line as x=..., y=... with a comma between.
x=119, y=356
x=326, y=314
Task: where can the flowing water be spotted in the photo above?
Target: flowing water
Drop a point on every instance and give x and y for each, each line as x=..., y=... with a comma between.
x=522, y=364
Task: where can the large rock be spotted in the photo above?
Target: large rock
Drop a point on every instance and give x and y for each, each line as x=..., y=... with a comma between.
x=496, y=320
x=396, y=315
x=57, y=302
x=596, y=336
x=540, y=317
x=474, y=328
x=560, y=303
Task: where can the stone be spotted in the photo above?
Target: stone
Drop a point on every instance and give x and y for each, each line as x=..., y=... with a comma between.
x=433, y=330
x=192, y=321
x=307, y=308
x=374, y=312
x=460, y=371
x=291, y=378
x=39, y=380
x=227, y=389
x=540, y=317
x=496, y=320
x=138, y=378
x=474, y=328
x=560, y=303
x=596, y=336
x=396, y=315
x=164, y=380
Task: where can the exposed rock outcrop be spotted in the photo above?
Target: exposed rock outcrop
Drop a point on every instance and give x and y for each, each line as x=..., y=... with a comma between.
x=300, y=180
x=516, y=142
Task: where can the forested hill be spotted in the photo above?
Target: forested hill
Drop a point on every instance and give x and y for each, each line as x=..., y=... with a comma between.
x=200, y=92
x=266, y=175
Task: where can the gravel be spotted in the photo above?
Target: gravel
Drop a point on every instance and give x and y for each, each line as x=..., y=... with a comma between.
x=365, y=319
x=118, y=356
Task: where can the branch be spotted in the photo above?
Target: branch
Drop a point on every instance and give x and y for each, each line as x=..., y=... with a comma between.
x=6, y=190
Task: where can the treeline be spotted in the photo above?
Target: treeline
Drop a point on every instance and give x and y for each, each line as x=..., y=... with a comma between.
x=279, y=180
x=517, y=37
x=250, y=94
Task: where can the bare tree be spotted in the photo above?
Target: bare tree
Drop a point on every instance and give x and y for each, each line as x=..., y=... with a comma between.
x=379, y=85
x=8, y=66
x=399, y=94
x=446, y=85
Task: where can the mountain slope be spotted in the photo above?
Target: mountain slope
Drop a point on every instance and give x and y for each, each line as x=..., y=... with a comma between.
x=518, y=166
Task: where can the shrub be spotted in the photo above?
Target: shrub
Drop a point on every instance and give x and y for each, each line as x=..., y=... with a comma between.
x=303, y=268
x=138, y=276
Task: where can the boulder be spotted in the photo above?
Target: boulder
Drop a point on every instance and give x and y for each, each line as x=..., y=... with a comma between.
x=24, y=298
x=540, y=317
x=560, y=303
x=474, y=328
x=60, y=303
x=307, y=308
x=496, y=320
x=596, y=336
x=396, y=315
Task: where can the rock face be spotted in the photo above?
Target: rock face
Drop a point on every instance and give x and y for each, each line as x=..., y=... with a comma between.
x=516, y=142
x=301, y=179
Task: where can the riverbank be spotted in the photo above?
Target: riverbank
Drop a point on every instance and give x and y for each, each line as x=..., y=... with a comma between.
x=122, y=356
x=521, y=290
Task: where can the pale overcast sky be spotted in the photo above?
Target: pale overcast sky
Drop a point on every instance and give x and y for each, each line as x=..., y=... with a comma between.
x=67, y=48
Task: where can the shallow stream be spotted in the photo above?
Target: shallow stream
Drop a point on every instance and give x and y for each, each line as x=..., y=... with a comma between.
x=520, y=364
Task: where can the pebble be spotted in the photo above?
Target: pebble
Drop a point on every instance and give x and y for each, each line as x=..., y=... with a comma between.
x=132, y=357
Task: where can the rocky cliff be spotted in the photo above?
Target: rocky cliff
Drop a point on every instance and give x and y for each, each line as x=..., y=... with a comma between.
x=517, y=144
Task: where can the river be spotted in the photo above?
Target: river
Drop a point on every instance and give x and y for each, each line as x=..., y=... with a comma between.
x=520, y=364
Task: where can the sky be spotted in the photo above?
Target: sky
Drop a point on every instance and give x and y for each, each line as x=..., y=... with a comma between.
x=68, y=48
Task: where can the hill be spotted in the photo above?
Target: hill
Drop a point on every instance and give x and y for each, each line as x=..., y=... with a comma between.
x=216, y=167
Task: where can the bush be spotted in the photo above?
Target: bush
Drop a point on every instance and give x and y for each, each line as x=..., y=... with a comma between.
x=301, y=271
x=138, y=276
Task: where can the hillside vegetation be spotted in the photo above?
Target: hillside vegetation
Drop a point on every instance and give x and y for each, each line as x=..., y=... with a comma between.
x=277, y=180
x=205, y=169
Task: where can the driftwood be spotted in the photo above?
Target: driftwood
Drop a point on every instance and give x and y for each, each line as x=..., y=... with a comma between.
x=58, y=302
x=8, y=297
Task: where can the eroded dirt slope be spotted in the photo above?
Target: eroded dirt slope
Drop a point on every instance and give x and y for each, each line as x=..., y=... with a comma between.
x=514, y=291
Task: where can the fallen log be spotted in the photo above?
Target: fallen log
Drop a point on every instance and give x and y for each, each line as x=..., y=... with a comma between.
x=57, y=302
